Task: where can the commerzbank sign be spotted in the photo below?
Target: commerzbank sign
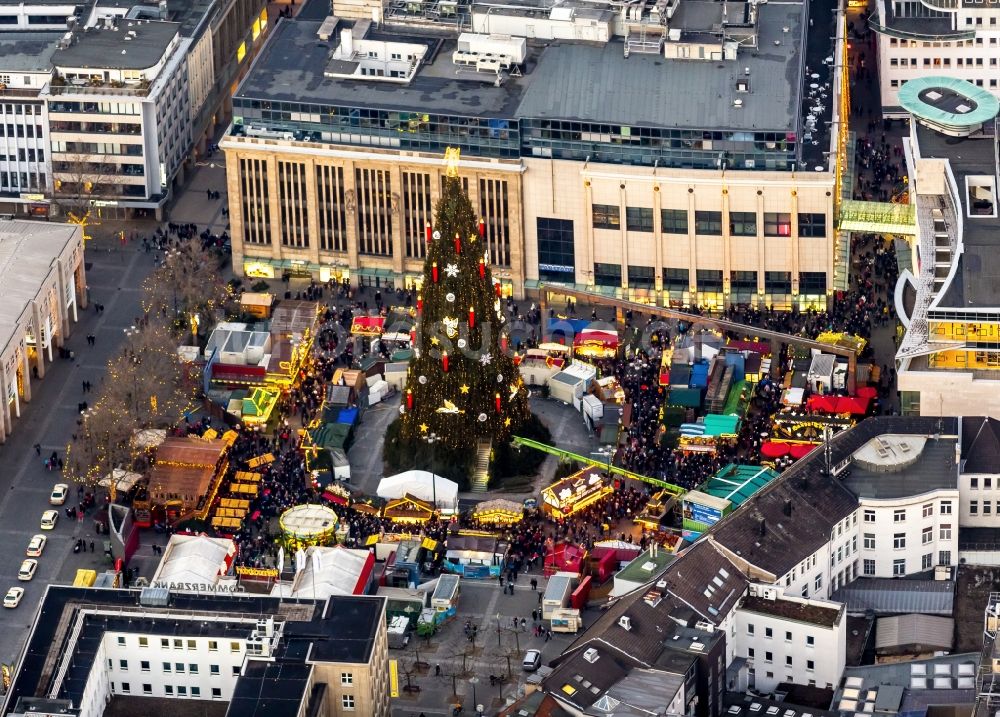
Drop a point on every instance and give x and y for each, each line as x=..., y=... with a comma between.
x=199, y=587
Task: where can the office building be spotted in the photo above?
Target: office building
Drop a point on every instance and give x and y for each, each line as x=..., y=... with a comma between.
x=90, y=647
x=916, y=38
x=45, y=283
x=947, y=297
x=591, y=163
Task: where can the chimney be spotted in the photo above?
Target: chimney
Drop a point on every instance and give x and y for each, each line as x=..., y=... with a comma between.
x=347, y=41
x=788, y=508
x=763, y=527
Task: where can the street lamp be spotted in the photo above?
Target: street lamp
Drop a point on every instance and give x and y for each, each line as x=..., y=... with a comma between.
x=475, y=681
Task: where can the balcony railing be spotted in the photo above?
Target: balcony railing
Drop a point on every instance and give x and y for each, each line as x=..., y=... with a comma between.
x=97, y=90
x=926, y=36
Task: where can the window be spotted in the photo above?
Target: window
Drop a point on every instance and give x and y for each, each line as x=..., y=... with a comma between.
x=213, y=669
x=164, y=643
x=788, y=636
x=347, y=678
x=854, y=544
x=812, y=282
x=898, y=567
x=928, y=510
x=869, y=516
x=898, y=516
x=196, y=692
x=768, y=633
x=708, y=223
x=788, y=660
x=750, y=628
x=675, y=280
x=818, y=582
x=147, y=689
x=167, y=667
x=927, y=561
x=608, y=274
x=192, y=644
x=182, y=690
x=144, y=665
x=974, y=507
x=926, y=535
x=121, y=640
x=810, y=665
x=234, y=647
x=868, y=568
x=123, y=665
x=768, y=657
x=674, y=221
x=236, y=670
x=810, y=641
x=743, y=282
x=178, y=644
x=869, y=541
x=743, y=224
x=216, y=693
x=640, y=277
x=974, y=483
x=143, y=642
x=193, y=669
x=778, y=282
x=638, y=219
x=812, y=225
x=606, y=216
x=898, y=541
x=750, y=652
x=556, y=256
x=347, y=702
x=987, y=483
x=168, y=689
x=126, y=688
x=179, y=668
x=987, y=507
x=777, y=224
x=709, y=280
x=213, y=645
x=945, y=533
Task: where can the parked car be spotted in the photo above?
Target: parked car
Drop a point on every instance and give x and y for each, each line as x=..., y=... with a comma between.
x=28, y=568
x=36, y=546
x=49, y=519
x=13, y=597
x=59, y=493
x=532, y=660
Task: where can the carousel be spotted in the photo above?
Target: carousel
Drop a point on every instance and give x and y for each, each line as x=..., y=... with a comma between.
x=498, y=512
x=306, y=525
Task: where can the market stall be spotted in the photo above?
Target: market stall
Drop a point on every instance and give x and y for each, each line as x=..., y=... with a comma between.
x=575, y=492
x=440, y=493
x=596, y=343
x=367, y=325
x=186, y=476
x=570, y=384
x=408, y=509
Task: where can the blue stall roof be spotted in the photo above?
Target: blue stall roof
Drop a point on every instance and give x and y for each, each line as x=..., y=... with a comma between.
x=348, y=416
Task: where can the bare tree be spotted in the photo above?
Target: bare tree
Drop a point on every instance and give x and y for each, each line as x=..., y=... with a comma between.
x=187, y=288
x=81, y=179
x=101, y=443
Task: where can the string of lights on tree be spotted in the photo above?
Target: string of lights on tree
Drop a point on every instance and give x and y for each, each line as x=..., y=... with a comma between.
x=461, y=385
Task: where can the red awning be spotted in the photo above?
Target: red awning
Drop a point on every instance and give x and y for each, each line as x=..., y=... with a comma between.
x=367, y=325
x=593, y=337
x=857, y=405
x=867, y=392
x=770, y=449
x=799, y=450
x=334, y=498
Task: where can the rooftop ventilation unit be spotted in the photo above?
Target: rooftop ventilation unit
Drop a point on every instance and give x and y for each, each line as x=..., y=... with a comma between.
x=625, y=622
x=591, y=655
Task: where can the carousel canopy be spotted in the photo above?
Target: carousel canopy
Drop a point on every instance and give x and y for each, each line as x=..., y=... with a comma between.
x=420, y=484
x=499, y=506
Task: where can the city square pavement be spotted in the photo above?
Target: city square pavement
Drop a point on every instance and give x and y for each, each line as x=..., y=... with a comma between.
x=483, y=604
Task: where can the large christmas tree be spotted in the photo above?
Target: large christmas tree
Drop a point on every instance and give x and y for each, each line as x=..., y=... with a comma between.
x=462, y=387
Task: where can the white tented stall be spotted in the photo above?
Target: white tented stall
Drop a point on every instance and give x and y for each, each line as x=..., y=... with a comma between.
x=423, y=485
x=570, y=384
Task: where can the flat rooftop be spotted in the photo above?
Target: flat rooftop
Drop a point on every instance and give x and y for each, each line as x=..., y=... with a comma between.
x=27, y=51
x=897, y=465
x=27, y=252
x=976, y=281
x=560, y=80
x=99, y=48
x=341, y=629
